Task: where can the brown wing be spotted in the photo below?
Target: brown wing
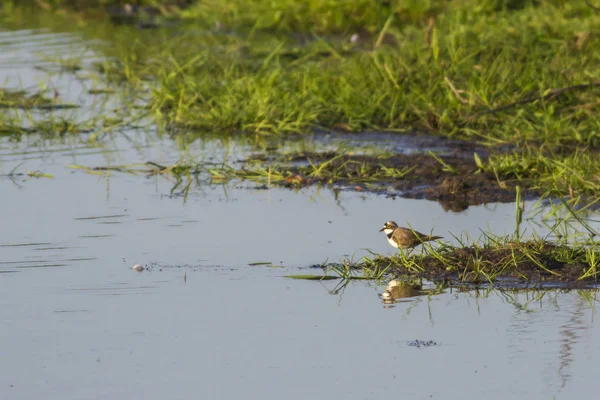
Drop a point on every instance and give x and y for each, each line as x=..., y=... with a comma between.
x=407, y=238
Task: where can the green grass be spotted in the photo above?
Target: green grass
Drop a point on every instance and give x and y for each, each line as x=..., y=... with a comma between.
x=82, y=4
x=337, y=169
x=573, y=257
x=505, y=261
x=531, y=260
x=501, y=72
x=446, y=78
x=520, y=76
x=491, y=260
x=492, y=72
x=563, y=174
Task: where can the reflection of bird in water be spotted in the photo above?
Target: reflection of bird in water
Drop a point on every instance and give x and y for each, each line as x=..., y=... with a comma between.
x=397, y=289
x=404, y=238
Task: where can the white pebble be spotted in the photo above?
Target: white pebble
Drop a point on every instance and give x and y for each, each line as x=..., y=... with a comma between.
x=138, y=268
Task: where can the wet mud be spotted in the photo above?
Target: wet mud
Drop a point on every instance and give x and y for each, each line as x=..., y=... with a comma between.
x=451, y=177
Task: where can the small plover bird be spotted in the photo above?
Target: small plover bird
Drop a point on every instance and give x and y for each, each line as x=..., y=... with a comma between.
x=404, y=238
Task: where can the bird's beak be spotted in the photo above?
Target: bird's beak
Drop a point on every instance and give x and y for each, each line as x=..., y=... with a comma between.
x=381, y=230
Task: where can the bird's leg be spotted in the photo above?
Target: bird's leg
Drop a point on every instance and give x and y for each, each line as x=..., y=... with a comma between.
x=401, y=254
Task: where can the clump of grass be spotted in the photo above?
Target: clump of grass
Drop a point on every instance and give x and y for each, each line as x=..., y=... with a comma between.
x=14, y=173
x=534, y=259
x=572, y=174
x=505, y=260
x=573, y=259
x=340, y=168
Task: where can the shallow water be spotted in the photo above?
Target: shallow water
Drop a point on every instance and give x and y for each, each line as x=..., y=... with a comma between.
x=97, y=330
x=78, y=322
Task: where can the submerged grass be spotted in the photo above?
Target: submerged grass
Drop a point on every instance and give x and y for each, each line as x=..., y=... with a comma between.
x=21, y=99
x=456, y=180
x=33, y=112
x=456, y=177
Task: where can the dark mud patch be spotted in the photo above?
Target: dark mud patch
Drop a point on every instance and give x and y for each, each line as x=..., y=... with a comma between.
x=512, y=264
x=455, y=179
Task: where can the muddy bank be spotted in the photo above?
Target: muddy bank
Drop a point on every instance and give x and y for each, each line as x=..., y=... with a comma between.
x=453, y=179
x=512, y=263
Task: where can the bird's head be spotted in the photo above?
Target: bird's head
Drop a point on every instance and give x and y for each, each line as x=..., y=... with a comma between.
x=388, y=227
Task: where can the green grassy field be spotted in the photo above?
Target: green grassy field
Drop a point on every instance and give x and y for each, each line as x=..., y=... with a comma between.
x=522, y=76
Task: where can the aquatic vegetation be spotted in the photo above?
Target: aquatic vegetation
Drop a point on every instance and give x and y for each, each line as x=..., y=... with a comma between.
x=32, y=112
x=21, y=99
x=308, y=277
x=455, y=178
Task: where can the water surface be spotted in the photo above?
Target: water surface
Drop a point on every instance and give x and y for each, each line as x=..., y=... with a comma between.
x=78, y=322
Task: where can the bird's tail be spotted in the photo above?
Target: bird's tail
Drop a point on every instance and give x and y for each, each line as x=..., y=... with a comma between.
x=430, y=238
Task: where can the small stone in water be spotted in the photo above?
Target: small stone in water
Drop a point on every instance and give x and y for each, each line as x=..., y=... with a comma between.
x=138, y=267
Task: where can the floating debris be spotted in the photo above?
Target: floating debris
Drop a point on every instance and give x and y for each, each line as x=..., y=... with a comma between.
x=421, y=343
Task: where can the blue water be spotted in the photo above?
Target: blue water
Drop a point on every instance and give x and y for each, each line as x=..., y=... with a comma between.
x=79, y=323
